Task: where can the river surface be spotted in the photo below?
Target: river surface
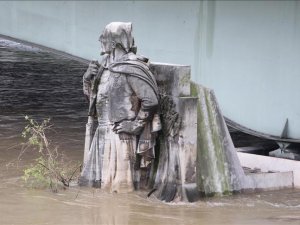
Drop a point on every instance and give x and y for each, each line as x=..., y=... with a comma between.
x=41, y=85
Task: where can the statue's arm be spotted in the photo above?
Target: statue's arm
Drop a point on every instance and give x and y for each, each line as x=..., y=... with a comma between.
x=145, y=93
x=149, y=105
x=88, y=76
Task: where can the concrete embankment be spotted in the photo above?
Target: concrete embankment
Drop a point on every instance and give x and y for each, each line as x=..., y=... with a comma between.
x=266, y=164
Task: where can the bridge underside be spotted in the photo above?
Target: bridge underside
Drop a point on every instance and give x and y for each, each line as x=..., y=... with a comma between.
x=247, y=51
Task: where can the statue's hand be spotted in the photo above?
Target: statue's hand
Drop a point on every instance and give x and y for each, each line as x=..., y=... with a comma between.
x=131, y=127
x=92, y=70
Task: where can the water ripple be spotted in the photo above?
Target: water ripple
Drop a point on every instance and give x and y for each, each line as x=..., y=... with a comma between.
x=42, y=85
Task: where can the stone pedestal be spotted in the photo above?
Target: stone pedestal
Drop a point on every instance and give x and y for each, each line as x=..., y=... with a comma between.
x=196, y=156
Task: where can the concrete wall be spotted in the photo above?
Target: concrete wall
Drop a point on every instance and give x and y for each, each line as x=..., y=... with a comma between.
x=247, y=51
x=252, y=61
x=266, y=164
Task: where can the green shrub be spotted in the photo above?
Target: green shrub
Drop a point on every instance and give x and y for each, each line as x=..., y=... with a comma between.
x=50, y=168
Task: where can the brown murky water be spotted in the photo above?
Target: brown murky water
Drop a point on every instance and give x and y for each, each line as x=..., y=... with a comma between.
x=43, y=85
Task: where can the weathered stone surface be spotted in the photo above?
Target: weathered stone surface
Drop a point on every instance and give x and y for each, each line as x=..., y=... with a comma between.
x=266, y=163
x=123, y=95
x=166, y=177
x=174, y=175
x=176, y=172
x=218, y=167
x=200, y=160
x=268, y=181
x=188, y=147
x=194, y=153
x=88, y=138
x=173, y=79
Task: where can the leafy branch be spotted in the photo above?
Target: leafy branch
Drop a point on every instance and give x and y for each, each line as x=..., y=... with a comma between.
x=50, y=168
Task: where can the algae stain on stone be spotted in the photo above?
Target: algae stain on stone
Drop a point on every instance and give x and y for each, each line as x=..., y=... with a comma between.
x=194, y=90
x=212, y=174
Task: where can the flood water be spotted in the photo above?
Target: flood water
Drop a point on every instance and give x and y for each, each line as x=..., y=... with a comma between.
x=42, y=85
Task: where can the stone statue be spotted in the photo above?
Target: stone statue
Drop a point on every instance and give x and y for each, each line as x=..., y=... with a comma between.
x=123, y=96
x=186, y=155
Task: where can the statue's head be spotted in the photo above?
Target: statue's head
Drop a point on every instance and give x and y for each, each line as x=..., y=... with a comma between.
x=117, y=35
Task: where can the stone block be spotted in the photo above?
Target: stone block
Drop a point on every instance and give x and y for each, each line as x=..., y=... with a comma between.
x=172, y=79
x=218, y=168
x=268, y=181
x=266, y=163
